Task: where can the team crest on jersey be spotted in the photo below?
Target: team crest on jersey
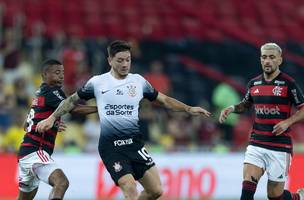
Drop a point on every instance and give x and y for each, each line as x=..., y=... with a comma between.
x=132, y=90
x=277, y=91
x=117, y=167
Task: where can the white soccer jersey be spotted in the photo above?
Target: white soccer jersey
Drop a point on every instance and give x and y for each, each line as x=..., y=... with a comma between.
x=118, y=102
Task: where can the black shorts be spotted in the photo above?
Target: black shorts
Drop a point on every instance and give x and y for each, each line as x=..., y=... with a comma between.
x=125, y=156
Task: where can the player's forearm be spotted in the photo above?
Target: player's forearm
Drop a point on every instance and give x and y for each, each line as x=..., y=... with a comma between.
x=241, y=107
x=84, y=110
x=175, y=105
x=298, y=116
x=66, y=106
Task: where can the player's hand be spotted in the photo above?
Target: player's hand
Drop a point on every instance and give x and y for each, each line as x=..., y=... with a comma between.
x=281, y=127
x=198, y=111
x=61, y=126
x=224, y=114
x=45, y=124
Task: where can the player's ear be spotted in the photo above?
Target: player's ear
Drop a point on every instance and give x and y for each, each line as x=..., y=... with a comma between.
x=109, y=60
x=280, y=60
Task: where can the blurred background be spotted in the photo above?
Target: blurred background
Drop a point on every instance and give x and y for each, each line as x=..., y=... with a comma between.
x=202, y=52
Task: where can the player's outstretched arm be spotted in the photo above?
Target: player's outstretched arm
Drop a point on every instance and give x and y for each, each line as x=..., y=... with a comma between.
x=64, y=107
x=84, y=109
x=239, y=108
x=282, y=126
x=176, y=105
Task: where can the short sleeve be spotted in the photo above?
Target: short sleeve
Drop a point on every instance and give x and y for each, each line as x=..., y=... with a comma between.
x=87, y=91
x=54, y=98
x=296, y=95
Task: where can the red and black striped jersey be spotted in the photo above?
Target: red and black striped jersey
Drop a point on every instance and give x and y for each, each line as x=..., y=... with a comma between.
x=272, y=101
x=46, y=100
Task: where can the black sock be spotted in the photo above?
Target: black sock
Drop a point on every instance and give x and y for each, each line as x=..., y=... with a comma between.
x=291, y=196
x=277, y=198
x=248, y=190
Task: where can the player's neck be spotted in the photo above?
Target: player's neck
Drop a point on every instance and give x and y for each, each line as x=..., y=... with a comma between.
x=270, y=77
x=116, y=75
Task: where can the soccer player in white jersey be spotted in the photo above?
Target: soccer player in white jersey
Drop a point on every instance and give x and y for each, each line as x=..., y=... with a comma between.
x=118, y=94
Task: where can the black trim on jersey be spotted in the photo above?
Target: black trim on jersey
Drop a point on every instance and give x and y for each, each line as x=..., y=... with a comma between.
x=265, y=127
x=274, y=100
x=85, y=94
x=151, y=96
x=274, y=139
x=282, y=115
x=281, y=149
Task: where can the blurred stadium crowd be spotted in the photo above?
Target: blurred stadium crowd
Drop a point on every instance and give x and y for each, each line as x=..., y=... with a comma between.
x=163, y=38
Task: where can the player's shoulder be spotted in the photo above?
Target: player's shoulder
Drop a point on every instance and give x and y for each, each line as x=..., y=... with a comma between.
x=99, y=78
x=136, y=77
x=45, y=89
x=286, y=77
x=257, y=80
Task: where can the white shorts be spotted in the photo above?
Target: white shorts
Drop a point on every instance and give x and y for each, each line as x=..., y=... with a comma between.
x=35, y=167
x=275, y=163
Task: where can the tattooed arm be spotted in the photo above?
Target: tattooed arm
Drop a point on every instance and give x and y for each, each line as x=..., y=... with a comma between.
x=238, y=108
x=64, y=107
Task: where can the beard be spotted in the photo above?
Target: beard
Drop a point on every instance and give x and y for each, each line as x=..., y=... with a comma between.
x=269, y=71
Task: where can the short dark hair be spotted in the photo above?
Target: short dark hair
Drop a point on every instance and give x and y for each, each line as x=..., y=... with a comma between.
x=49, y=62
x=118, y=46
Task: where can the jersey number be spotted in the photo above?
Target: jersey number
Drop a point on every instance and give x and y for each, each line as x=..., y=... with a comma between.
x=29, y=120
x=143, y=153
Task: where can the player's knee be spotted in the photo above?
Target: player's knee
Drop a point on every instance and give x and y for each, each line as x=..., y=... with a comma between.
x=62, y=183
x=156, y=192
x=129, y=188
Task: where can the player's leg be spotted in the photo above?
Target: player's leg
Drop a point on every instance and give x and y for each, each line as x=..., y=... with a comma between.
x=51, y=174
x=60, y=184
x=251, y=177
x=275, y=190
x=27, y=180
x=127, y=184
x=253, y=170
x=27, y=195
x=277, y=172
x=152, y=185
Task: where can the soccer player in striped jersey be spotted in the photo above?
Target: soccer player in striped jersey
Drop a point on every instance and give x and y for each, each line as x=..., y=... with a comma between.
x=118, y=94
x=272, y=94
x=34, y=160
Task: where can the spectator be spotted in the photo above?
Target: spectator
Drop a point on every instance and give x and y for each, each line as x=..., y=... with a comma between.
x=158, y=78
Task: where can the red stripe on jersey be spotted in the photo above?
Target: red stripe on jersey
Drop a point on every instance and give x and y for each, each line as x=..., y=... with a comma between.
x=49, y=132
x=43, y=115
x=38, y=101
x=269, y=90
x=27, y=145
x=271, y=144
x=40, y=140
x=262, y=132
x=267, y=121
x=281, y=107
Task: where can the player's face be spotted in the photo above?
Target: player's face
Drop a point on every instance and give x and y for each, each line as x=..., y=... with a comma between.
x=121, y=63
x=270, y=60
x=54, y=75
